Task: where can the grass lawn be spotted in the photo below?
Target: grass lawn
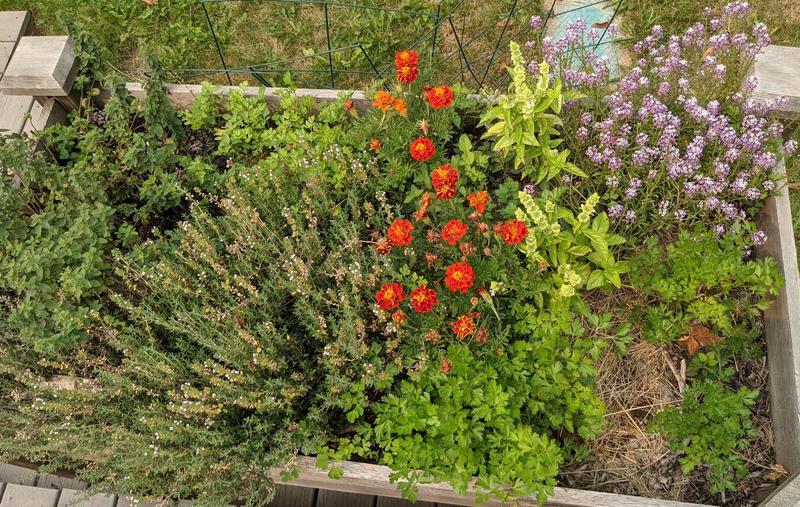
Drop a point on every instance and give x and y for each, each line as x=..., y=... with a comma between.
x=259, y=31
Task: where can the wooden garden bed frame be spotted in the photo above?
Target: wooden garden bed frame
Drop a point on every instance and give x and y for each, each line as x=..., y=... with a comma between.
x=35, y=93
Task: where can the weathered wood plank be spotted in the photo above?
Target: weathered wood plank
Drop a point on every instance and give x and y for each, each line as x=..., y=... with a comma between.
x=787, y=495
x=329, y=498
x=44, y=113
x=384, y=501
x=129, y=501
x=293, y=496
x=57, y=482
x=13, y=109
x=41, y=66
x=17, y=495
x=6, y=50
x=76, y=498
x=181, y=96
x=777, y=69
x=13, y=25
x=13, y=474
x=369, y=479
x=782, y=329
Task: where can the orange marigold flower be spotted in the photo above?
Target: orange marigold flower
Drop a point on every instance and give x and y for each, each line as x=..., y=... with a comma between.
x=390, y=295
x=479, y=200
x=424, y=203
x=464, y=326
x=348, y=105
x=513, y=232
x=375, y=145
x=383, y=100
x=406, y=58
x=399, y=317
x=453, y=231
x=407, y=74
x=444, y=174
x=399, y=105
x=445, y=191
x=423, y=299
x=446, y=366
x=439, y=96
x=383, y=246
x=399, y=233
x=459, y=277
x=422, y=149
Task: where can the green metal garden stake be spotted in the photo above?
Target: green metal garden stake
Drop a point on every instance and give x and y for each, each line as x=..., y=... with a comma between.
x=328, y=39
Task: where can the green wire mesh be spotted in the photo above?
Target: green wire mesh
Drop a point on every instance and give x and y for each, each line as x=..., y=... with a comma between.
x=455, y=43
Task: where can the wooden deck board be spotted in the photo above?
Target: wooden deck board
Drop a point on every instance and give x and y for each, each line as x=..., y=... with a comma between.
x=13, y=25
x=778, y=71
x=13, y=110
x=129, y=501
x=57, y=482
x=76, y=498
x=16, y=495
x=384, y=501
x=13, y=474
x=294, y=496
x=328, y=498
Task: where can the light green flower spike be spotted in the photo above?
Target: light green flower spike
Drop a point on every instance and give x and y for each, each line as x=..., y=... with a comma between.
x=587, y=208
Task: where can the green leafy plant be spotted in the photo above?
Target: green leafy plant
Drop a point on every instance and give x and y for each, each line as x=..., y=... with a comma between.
x=709, y=427
x=682, y=287
x=566, y=254
x=524, y=122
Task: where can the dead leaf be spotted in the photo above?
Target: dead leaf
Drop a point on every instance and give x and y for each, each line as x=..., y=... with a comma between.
x=698, y=337
x=505, y=23
x=775, y=473
x=601, y=25
x=708, y=52
x=424, y=126
x=149, y=2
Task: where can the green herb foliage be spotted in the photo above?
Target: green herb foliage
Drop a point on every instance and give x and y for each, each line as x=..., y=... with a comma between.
x=710, y=426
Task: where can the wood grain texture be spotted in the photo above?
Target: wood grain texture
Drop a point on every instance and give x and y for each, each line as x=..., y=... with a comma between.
x=13, y=474
x=782, y=329
x=777, y=69
x=329, y=498
x=75, y=498
x=787, y=495
x=293, y=496
x=181, y=96
x=45, y=112
x=13, y=109
x=6, y=50
x=402, y=502
x=58, y=482
x=129, y=501
x=41, y=66
x=17, y=495
x=374, y=480
x=13, y=25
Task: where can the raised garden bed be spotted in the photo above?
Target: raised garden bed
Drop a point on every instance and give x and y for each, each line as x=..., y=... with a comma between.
x=781, y=328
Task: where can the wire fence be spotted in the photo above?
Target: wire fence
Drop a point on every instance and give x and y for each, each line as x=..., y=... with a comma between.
x=457, y=40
